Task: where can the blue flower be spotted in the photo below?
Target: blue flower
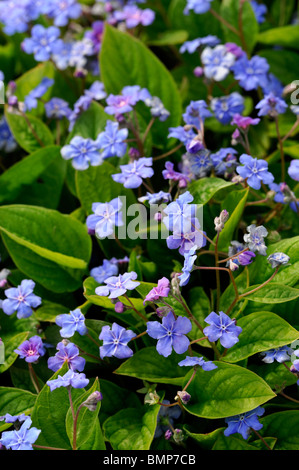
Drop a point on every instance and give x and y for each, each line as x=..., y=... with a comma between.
x=62, y=57
x=282, y=354
x=196, y=113
x=118, y=285
x=243, y=423
x=255, y=171
x=133, y=16
x=217, y=62
x=63, y=10
x=166, y=417
x=96, y=91
x=271, y=105
x=293, y=170
x=251, y=73
x=115, y=342
x=224, y=160
x=7, y=140
x=181, y=134
x=124, y=103
x=68, y=353
x=227, y=106
x=278, y=259
x=43, y=42
x=273, y=85
x=21, y=439
x=187, y=240
x=155, y=198
x=157, y=108
x=192, y=46
x=255, y=238
x=71, y=322
x=106, y=216
x=31, y=100
x=199, y=164
x=31, y=350
x=70, y=379
x=107, y=269
x=260, y=11
x=180, y=214
x=8, y=418
x=57, y=108
x=198, y=361
x=170, y=334
x=111, y=142
x=198, y=6
x=79, y=53
x=82, y=152
x=190, y=258
x=132, y=174
x=222, y=327
x=21, y=299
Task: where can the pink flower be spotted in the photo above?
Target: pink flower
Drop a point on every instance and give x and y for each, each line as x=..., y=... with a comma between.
x=162, y=290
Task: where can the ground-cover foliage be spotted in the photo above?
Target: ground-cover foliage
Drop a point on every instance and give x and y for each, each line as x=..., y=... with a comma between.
x=149, y=246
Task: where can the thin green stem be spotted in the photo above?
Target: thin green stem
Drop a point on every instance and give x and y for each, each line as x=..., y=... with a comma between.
x=217, y=274
x=135, y=309
x=34, y=378
x=280, y=142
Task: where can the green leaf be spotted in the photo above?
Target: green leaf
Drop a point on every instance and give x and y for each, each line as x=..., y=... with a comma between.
x=90, y=123
x=48, y=311
x=149, y=73
x=226, y=391
x=115, y=399
x=30, y=140
x=232, y=443
x=284, y=66
x=50, y=412
x=230, y=11
x=132, y=429
x=205, y=188
x=87, y=420
x=261, y=331
x=169, y=38
x=272, y=293
x=16, y=401
x=274, y=374
x=10, y=345
x=235, y=204
x=284, y=426
x=148, y=364
x=285, y=36
x=199, y=305
x=207, y=440
x=25, y=172
x=52, y=248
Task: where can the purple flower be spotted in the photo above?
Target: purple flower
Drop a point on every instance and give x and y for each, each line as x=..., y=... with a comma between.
x=115, y=342
x=96, y=35
x=31, y=100
x=243, y=122
x=106, y=216
x=234, y=49
x=242, y=259
x=133, y=16
x=170, y=174
x=21, y=299
x=217, y=62
x=293, y=170
x=162, y=290
x=255, y=238
x=132, y=174
x=130, y=95
x=71, y=322
x=31, y=350
x=192, y=46
x=43, y=42
x=82, y=152
x=278, y=259
x=198, y=361
x=282, y=354
x=170, y=334
x=196, y=113
x=107, y=269
x=21, y=439
x=111, y=142
x=96, y=91
x=118, y=285
x=271, y=105
x=189, y=260
x=227, y=106
x=255, y=170
x=70, y=379
x=180, y=214
x=222, y=327
x=244, y=423
x=198, y=6
x=251, y=73
x=68, y=353
x=57, y=108
x=63, y=10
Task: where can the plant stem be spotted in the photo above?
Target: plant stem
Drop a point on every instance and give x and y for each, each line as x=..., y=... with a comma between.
x=190, y=380
x=32, y=130
x=226, y=23
x=46, y=447
x=75, y=427
x=135, y=309
x=287, y=397
x=240, y=22
x=164, y=155
x=34, y=378
x=148, y=129
x=217, y=273
x=261, y=438
x=281, y=150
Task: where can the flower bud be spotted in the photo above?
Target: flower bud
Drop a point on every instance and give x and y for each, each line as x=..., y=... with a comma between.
x=162, y=311
x=198, y=72
x=183, y=396
x=92, y=400
x=178, y=436
x=168, y=434
x=119, y=307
